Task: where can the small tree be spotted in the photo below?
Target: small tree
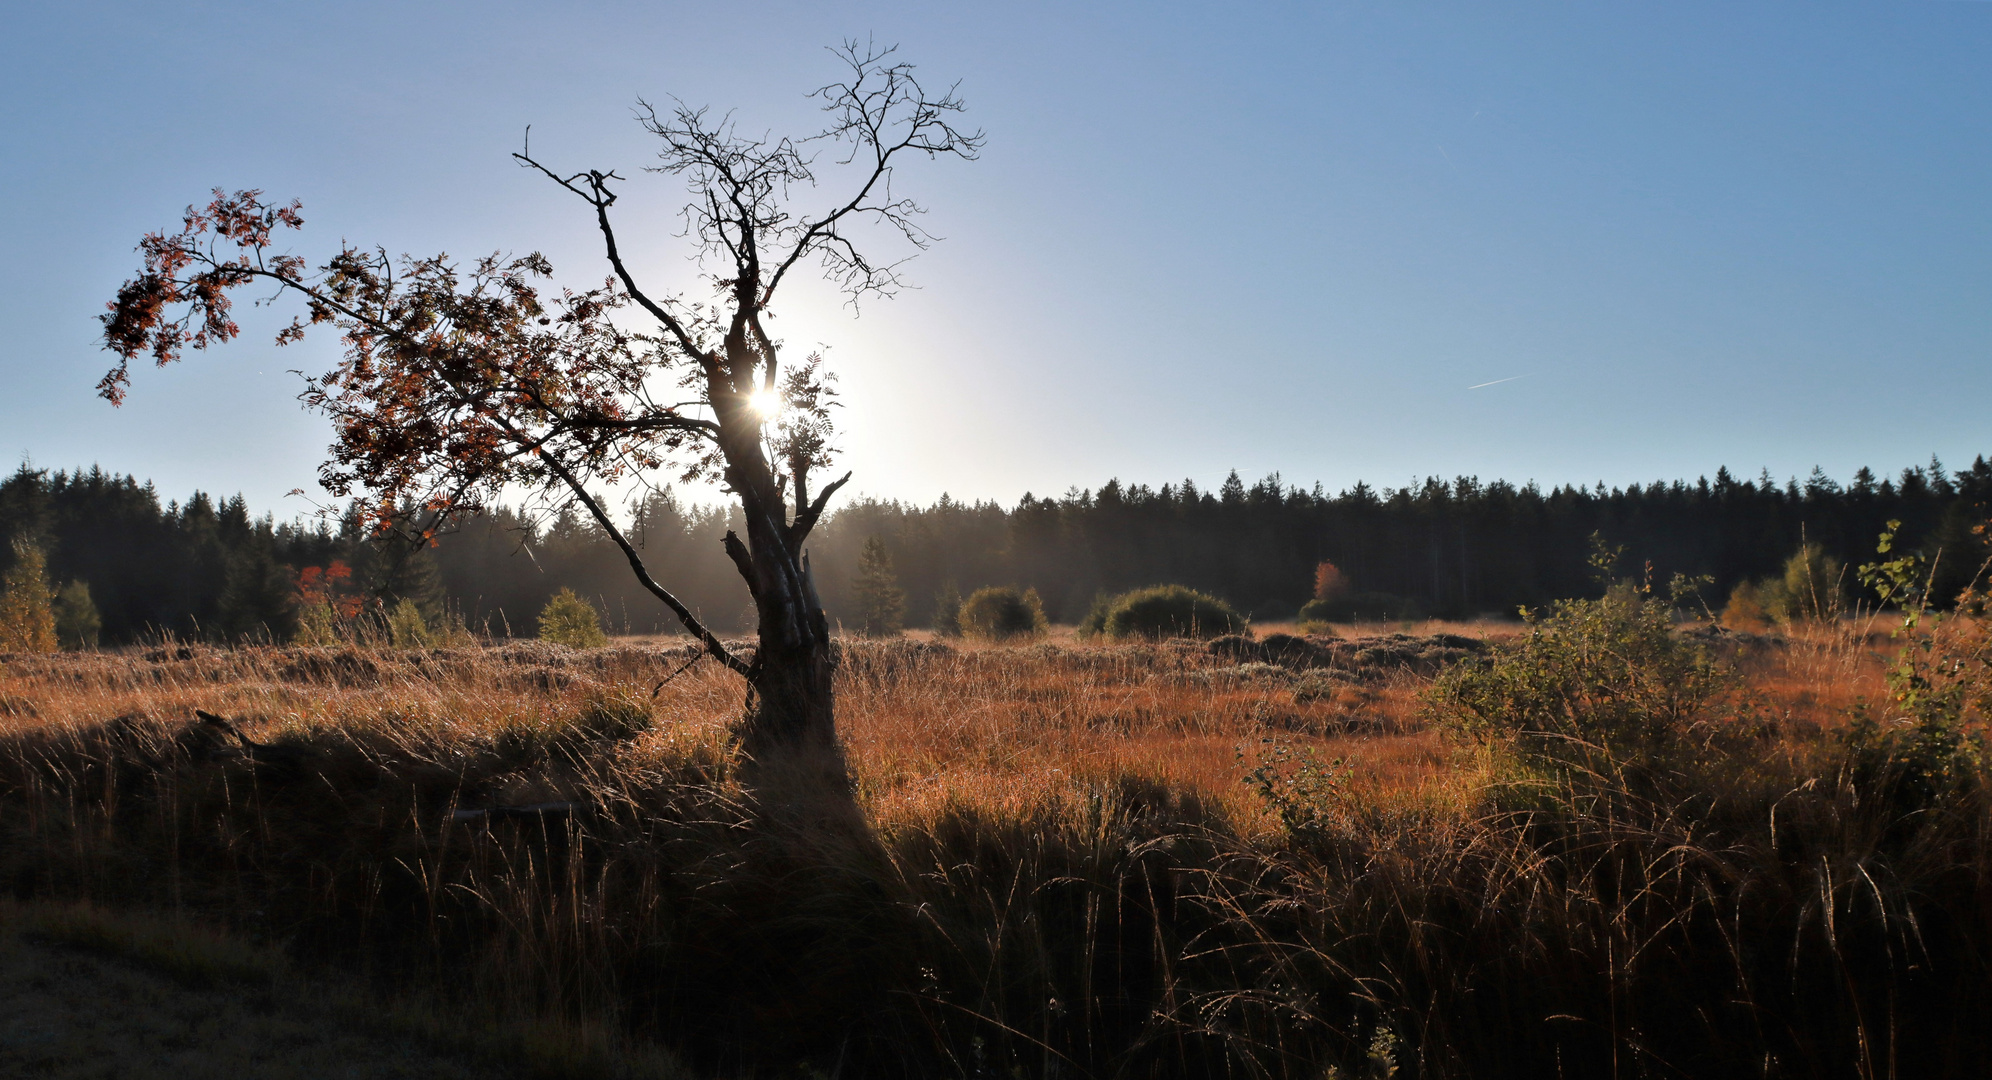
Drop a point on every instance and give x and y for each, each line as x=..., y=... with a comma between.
x=27, y=608
x=947, y=610
x=569, y=620
x=1809, y=590
x=408, y=629
x=326, y=604
x=881, y=604
x=77, y=623
x=1329, y=581
x=460, y=384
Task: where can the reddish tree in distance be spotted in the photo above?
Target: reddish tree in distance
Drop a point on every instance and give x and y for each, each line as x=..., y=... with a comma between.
x=459, y=381
x=1329, y=581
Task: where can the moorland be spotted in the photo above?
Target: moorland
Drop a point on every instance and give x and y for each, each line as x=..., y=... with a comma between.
x=1613, y=840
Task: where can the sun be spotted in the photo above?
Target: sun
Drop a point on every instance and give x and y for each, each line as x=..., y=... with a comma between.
x=766, y=403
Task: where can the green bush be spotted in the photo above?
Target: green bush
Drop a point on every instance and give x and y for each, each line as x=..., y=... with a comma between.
x=569, y=620
x=1000, y=613
x=1595, y=684
x=1809, y=590
x=947, y=610
x=407, y=627
x=1164, y=611
x=1095, y=622
x=1745, y=610
x=1927, y=744
x=1361, y=607
x=76, y=620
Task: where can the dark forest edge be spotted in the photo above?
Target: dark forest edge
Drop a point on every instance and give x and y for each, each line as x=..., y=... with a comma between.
x=211, y=569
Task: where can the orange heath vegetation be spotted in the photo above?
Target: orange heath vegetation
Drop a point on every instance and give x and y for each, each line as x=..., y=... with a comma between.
x=1266, y=856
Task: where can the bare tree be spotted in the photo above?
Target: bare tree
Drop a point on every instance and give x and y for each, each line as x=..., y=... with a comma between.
x=458, y=382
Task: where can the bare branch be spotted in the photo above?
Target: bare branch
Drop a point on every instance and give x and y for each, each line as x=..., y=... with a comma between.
x=691, y=622
x=601, y=198
x=799, y=528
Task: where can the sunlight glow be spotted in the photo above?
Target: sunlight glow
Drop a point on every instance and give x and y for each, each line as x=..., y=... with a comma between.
x=766, y=403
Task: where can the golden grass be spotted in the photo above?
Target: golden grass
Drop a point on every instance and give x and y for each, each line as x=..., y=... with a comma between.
x=995, y=726
x=1057, y=854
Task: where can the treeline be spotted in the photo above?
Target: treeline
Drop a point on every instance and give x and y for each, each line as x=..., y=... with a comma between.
x=1458, y=548
x=1465, y=547
x=208, y=568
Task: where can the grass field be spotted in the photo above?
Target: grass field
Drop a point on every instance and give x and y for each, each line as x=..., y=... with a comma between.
x=1278, y=857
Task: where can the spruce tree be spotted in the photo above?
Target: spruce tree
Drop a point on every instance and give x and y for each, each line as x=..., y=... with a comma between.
x=881, y=604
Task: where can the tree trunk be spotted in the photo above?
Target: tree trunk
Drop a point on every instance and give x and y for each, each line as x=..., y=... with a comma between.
x=792, y=705
x=794, y=700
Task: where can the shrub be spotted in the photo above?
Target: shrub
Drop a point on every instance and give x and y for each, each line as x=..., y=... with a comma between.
x=1597, y=683
x=328, y=608
x=1095, y=622
x=1310, y=795
x=1164, y=611
x=1000, y=613
x=1361, y=607
x=1929, y=742
x=76, y=620
x=407, y=628
x=1808, y=590
x=569, y=620
x=1745, y=610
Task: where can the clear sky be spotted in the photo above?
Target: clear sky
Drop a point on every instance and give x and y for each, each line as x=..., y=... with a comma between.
x=1296, y=238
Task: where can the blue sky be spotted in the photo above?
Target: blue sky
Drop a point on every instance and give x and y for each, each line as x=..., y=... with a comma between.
x=1202, y=237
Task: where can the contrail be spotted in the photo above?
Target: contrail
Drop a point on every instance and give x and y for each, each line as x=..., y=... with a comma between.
x=1497, y=382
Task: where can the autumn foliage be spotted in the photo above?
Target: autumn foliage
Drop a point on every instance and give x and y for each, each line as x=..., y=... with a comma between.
x=1329, y=581
x=329, y=586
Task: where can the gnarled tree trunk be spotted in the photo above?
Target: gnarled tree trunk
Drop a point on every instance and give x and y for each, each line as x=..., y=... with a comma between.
x=793, y=705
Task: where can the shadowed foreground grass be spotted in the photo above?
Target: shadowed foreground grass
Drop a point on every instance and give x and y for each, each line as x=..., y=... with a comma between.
x=1250, y=859
x=87, y=993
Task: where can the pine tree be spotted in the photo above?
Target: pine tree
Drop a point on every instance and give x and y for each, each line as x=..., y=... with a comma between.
x=881, y=604
x=947, y=610
x=256, y=601
x=27, y=609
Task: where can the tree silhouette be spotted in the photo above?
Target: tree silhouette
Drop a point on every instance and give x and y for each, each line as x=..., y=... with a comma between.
x=881, y=603
x=459, y=381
